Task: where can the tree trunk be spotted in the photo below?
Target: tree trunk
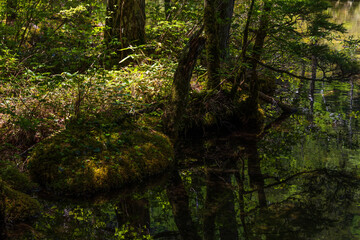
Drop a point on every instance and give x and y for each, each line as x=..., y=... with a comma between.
x=226, y=9
x=181, y=84
x=256, y=55
x=217, y=21
x=242, y=72
x=212, y=44
x=240, y=181
x=314, y=64
x=351, y=95
x=125, y=25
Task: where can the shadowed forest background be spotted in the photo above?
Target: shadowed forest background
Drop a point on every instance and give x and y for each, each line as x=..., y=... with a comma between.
x=214, y=119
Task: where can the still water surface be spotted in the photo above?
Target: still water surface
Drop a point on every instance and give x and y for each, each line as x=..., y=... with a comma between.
x=348, y=13
x=299, y=180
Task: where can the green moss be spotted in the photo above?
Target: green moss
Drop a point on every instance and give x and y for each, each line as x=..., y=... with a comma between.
x=98, y=156
x=19, y=206
x=15, y=179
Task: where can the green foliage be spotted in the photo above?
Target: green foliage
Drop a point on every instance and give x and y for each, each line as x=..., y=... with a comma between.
x=168, y=37
x=128, y=232
x=36, y=104
x=82, y=221
x=297, y=31
x=59, y=38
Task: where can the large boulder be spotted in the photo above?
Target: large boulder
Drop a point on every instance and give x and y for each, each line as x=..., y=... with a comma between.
x=97, y=156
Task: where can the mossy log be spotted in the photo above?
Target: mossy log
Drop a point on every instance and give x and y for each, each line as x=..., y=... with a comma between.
x=98, y=156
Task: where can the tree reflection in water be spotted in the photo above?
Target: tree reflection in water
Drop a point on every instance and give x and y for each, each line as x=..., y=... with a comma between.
x=308, y=204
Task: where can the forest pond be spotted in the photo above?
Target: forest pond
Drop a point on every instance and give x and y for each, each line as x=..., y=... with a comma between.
x=300, y=180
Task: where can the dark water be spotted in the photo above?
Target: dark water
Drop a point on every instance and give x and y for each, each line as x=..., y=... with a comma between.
x=299, y=180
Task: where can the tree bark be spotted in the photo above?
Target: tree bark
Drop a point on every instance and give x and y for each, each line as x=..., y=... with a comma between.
x=256, y=55
x=314, y=64
x=217, y=21
x=285, y=107
x=125, y=23
x=212, y=44
x=242, y=72
x=226, y=9
x=240, y=181
x=181, y=85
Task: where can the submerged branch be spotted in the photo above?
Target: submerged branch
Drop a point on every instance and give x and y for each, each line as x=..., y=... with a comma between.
x=285, y=180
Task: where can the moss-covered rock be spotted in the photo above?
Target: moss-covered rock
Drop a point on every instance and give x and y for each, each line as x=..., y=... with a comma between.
x=98, y=156
x=19, y=206
x=13, y=186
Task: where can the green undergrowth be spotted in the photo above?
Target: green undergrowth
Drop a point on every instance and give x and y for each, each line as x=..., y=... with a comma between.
x=99, y=155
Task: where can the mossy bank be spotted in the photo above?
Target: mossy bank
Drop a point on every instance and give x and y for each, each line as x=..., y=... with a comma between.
x=14, y=186
x=99, y=155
